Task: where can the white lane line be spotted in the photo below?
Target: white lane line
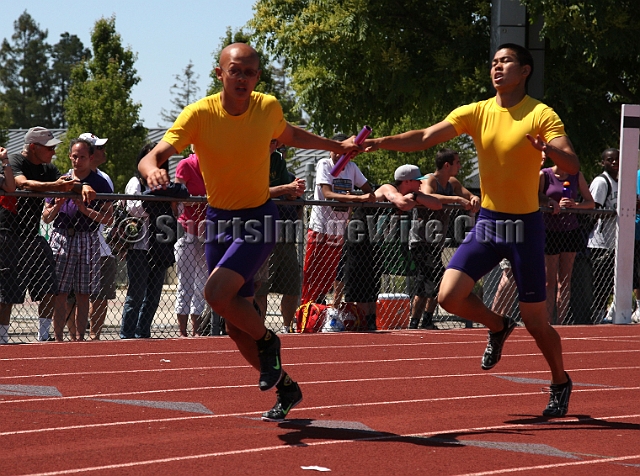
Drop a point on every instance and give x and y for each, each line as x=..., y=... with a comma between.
x=315, y=408
x=515, y=339
x=555, y=465
x=330, y=442
x=295, y=364
x=316, y=382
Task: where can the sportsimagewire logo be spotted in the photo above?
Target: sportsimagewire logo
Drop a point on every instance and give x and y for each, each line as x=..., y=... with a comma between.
x=375, y=229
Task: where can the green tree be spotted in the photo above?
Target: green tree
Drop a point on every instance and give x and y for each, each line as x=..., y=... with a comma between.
x=184, y=91
x=65, y=54
x=377, y=61
x=100, y=102
x=386, y=63
x=592, y=67
x=5, y=122
x=391, y=65
x=24, y=76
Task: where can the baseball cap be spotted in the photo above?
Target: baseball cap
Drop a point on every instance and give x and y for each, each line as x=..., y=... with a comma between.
x=42, y=136
x=93, y=139
x=408, y=172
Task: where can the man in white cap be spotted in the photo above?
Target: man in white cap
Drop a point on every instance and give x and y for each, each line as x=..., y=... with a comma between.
x=107, y=287
x=26, y=255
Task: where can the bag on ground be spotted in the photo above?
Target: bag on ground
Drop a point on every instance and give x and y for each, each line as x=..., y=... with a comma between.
x=310, y=317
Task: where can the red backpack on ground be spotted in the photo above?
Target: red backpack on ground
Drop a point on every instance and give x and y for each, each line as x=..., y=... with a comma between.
x=310, y=317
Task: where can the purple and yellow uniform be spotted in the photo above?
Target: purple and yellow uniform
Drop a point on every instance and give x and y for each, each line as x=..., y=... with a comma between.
x=234, y=154
x=509, y=170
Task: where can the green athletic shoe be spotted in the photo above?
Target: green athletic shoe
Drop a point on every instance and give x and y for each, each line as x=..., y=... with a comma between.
x=285, y=401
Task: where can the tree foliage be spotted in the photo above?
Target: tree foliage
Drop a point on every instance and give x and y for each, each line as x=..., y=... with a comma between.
x=35, y=76
x=67, y=53
x=184, y=91
x=25, y=82
x=398, y=65
x=376, y=61
x=592, y=68
x=391, y=65
x=100, y=102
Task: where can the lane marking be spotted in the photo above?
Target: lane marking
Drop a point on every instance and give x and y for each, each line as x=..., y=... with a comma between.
x=293, y=364
x=334, y=442
x=314, y=382
x=515, y=339
x=322, y=407
x=555, y=465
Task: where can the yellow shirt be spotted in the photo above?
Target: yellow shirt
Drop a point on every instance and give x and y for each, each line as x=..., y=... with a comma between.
x=508, y=164
x=233, y=150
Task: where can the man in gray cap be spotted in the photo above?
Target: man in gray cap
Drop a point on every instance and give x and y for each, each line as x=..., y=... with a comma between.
x=365, y=254
x=26, y=255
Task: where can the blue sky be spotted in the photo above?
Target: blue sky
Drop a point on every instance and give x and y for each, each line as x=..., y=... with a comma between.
x=164, y=34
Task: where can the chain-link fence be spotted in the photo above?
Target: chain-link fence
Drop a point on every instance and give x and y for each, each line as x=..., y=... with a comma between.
x=370, y=263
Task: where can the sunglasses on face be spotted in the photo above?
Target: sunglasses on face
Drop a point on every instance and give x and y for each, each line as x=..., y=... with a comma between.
x=237, y=72
x=100, y=147
x=51, y=148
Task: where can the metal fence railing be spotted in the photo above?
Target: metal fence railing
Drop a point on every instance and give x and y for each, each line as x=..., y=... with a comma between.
x=360, y=254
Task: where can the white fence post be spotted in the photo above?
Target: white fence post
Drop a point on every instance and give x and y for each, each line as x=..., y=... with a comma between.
x=625, y=239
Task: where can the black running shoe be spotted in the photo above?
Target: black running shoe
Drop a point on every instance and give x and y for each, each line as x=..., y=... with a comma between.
x=285, y=401
x=559, y=399
x=270, y=366
x=495, y=341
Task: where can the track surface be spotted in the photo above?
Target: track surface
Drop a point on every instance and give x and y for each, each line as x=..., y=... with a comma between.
x=385, y=403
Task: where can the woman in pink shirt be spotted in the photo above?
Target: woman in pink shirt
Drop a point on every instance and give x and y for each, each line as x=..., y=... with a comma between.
x=191, y=265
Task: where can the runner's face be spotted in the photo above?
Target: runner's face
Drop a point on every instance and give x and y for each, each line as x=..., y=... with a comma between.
x=506, y=71
x=239, y=72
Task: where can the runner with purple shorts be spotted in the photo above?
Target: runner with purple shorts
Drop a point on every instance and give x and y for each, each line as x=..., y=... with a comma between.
x=510, y=132
x=232, y=131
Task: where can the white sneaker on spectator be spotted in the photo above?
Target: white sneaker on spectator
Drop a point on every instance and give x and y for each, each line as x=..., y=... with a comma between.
x=285, y=330
x=608, y=317
x=635, y=317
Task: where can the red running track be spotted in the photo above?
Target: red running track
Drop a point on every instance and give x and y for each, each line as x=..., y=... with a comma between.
x=386, y=403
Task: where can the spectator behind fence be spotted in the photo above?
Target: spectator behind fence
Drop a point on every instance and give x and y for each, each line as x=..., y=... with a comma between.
x=98, y=300
x=8, y=184
x=563, y=236
x=327, y=224
x=604, y=190
x=231, y=131
x=74, y=240
x=509, y=131
x=145, y=275
x=283, y=266
x=191, y=266
x=26, y=256
x=424, y=249
x=364, y=257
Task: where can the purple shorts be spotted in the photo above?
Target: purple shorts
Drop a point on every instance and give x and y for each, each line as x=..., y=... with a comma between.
x=518, y=238
x=240, y=240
